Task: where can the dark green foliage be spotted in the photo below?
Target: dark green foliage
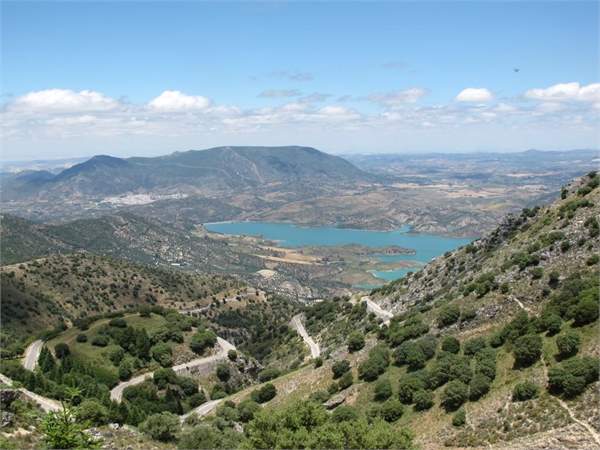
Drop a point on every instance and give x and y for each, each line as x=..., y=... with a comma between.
x=527, y=350
x=163, y=426
x=382, y=390
x=485, y=363
x=223, y=372
x=408, y=386
x=206, y=437
x=318, y=362
x=568, y=344
x=451, y=344
x=345, y=381
x=391, y=410
x=376, y=364
x=46, y=360
x=411, y=329
x=162, y=353
x=247, y=409
x=356, y=341
x=203, y=340
x=100, y=341
x=479, y=386
x=62, y=350
x=344, y=413
x=118, y=322
x=459, y=418
x=92, y=411
x=586, y=310
x=525, y=391
x=197, y=399
x=339, y=368
x=264, y=394
x=573, y=375
x=454, y=395
x=232, y=355
x=81, y=338
x=423, y=400
x=474, y=345
x=450, y=367
x=550, y=322
x=448, y=315
x=268, y=374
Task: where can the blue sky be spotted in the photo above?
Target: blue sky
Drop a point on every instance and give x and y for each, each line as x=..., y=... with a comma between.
x=79, y=78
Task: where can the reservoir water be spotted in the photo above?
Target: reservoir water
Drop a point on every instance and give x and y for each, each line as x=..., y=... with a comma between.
x=426, y=246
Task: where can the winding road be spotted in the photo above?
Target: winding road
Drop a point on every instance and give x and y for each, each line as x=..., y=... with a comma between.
x=206, y=362
x=373, y=307
x=315, y=351
x=202, y=410
x=47, y=404
x=32, y=354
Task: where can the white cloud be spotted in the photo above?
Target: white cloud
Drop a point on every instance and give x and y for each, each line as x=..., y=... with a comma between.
x=566, y=92
x=475, y=95
x=175, y=101
x=398, y=98
x=63, y=100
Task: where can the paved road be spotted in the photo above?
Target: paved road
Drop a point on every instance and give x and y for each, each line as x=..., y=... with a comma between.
x=116, y=393
x=315, y=351
x=47, y=404
x=377, y=310
x=32, y=353
x=203, y=409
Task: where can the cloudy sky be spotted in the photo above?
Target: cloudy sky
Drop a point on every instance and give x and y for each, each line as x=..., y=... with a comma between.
x=142, y=78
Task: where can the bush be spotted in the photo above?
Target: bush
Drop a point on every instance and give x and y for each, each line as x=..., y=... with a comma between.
x=164, y=376
x=318, y=362
x=197, y=399
x=264, y=394
x=188, y=385
x=118, y=322
x=345, y=381
x=410, y=353
x=454, y=395
x=125, y=369
x=344, y=413
x=268, y=374
x=451, y=344
x=573, y=375
x=527, y=350
x=339, y=368
x=62, y=350
x=448, y=315
x=586, y=310
x=163, y=426
x=91, y=410
x=550, y=322
x=537, y=273
x=479, y=386
x=423, y=400
x=473, y=346
x=82, y=338
x=459, y=418
x=232, y=355
x=203, y=340
x=376, y=364
x=383, y=390
x=162, y=353
x=568, y=344
x=206, y=437
x=525, y=391
x=100, y=341
x=391, y=410
x=408, y=386
x=356, y=341
x=223, y=372
x=247, y=409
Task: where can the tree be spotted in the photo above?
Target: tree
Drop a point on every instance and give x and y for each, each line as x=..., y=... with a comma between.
x=46, y=360
x=472, y=346
x=450, y=344
x=232, y=355
x=527, y=350
x=525, y=391
x=247, y=409
x=197, y=399
x=268, y=374
x=63, y=430
x=162, y=353
x=383, y=390
x=100, y=340
x=459, y=418
x=206, y=437
x=264, y=394
x=82, y=338
x=586, y=310
x=203, y=340
x=408, y=386
x=339, y=368
x=163, y=426
x=391, y=410
x=164, y=376
x=318, y=362
x=356, y=341
x=125, y=369
x=423, y=400
x=448, y=315
x=345, y=381
x=344, y=413
x=479, y=386
x=91, y=410
x=568, y=344
x=454, y=395
x=223, y=372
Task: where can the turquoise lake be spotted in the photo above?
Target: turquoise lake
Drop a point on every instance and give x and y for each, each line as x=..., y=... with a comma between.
x=427, y=246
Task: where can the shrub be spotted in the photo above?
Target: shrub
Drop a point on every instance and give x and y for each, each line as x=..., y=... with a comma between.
x=391, y=410
x=100, y=341
x=568, y=344
x=408, y=386
x=163, y=426
x=345, y=381
x=479, y=386
x=376, y=364
x=356, y=341
x=527, y=350
x=264, y=394
x=125, y=369
x=537, y=273
x=586, y=310
x=82, y=338
x=592, y=260
x=188, y=385
x=459, y=418
x=197, y=399
x=423, y=400
x=223, y=372
x=118, y=322
x=525, y=391
x=573, y=375
x=232, y=355
x=91, y=410
x=164, y=376
x=550, y=322
x=454, y=395
x=268, y=374
x=451, y=344
x=247, y=409
x=203, y=340
x=474, y=345
x=344, y=413
x=62, y=350
x=339, y=368
x=383, y=390
x=448, y=315
x=162, y=353
x=318, y=362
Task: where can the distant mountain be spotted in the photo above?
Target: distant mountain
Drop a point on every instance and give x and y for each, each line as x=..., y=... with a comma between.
x=221, y=169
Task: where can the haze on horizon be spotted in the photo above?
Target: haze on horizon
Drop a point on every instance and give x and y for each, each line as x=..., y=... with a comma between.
x=147, y=79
